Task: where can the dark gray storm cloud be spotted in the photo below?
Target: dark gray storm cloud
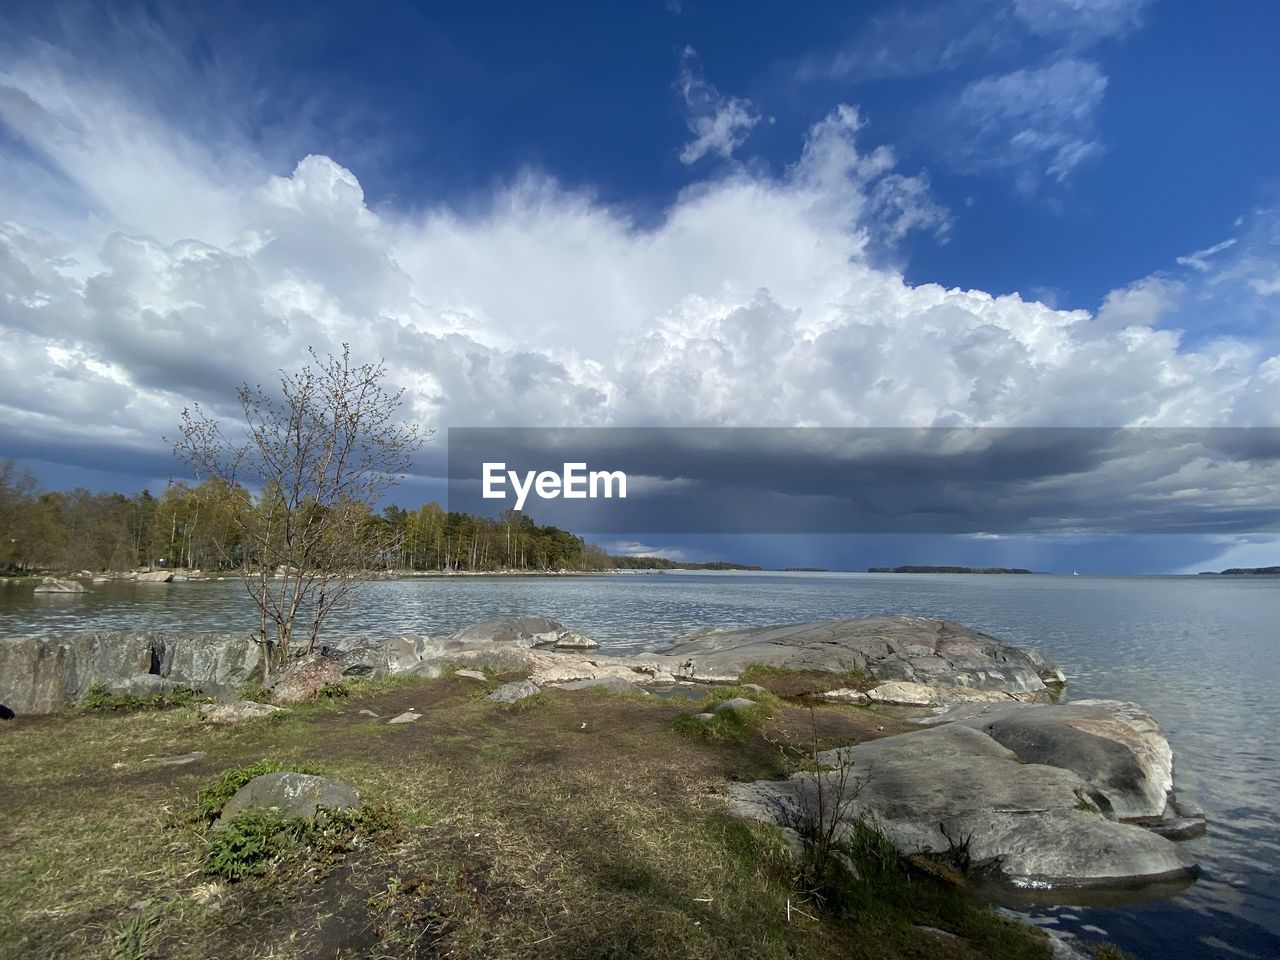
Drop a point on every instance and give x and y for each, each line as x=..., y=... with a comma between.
x=939, y=481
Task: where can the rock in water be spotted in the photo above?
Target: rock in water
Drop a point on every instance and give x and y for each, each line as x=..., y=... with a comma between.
x=951, y=786
x=511, y=692
x=154, y=576
x=305, y=678
x=55, y=585
x=525, y=632
x=1117, y=747
x=293, y=794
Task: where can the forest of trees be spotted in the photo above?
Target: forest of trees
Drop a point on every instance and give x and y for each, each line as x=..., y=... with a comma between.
x=189, y=527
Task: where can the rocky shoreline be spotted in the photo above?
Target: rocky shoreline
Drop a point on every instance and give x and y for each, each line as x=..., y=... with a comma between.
x=1001, y=776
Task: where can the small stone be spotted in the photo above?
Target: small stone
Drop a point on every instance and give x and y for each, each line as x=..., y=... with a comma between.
x=369, y=713
x=407, y=717
x=471, y=675
x=737, y=703
x=704, y=717
x=754, y=687
x=512, y=692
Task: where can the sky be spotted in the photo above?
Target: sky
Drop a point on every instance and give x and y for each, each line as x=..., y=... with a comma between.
x=990, y=213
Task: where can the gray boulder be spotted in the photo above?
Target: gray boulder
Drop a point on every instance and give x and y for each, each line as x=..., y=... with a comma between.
x=56, y=585
x=953, y=786
x=512, y=692
x=293, y=794
x=919, y=650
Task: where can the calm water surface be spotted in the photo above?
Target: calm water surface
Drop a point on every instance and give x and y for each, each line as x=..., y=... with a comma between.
x=1199, y=652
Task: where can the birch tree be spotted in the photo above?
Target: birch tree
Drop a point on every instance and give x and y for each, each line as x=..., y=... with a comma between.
x=316, y=457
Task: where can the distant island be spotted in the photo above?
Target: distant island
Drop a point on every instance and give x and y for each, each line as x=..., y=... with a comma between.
x=1243, y=572
x=805, y=570
x=915, y=569
x=662, y=563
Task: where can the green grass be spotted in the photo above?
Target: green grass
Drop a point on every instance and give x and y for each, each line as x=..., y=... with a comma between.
x=579, y=826
x=98, y=699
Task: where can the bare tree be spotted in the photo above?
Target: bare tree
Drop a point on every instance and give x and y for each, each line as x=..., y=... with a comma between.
x=302, y=474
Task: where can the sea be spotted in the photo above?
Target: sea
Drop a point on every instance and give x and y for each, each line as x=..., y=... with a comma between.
x=1201, y=653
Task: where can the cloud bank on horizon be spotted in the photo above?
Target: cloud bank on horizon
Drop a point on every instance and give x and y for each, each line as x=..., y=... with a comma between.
x=146, y=263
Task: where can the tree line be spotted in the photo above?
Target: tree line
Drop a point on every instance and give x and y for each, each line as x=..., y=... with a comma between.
x=190, y=526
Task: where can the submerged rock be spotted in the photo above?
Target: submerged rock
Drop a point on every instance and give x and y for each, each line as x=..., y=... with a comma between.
x=56, y=585
x=955, y=789
x=293, y=794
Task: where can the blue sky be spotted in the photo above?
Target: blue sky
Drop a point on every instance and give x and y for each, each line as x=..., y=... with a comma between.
x=995, y=213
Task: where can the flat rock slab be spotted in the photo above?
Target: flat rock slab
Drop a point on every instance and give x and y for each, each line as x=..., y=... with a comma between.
x=1028, y=823
x=407, y=717
x=235, y=712
x=513, y=692
x=179, y=761
x=471, y=675
x=293, y=794
x=921, y=650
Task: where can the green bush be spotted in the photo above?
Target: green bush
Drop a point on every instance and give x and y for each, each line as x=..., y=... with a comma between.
x=249, y=843
x=254, y=841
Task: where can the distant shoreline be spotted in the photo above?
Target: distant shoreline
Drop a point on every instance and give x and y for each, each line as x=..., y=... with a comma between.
x=923, y=569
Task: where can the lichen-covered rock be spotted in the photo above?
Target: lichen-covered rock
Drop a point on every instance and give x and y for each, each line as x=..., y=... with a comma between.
x=293, y=794
x=303, y=679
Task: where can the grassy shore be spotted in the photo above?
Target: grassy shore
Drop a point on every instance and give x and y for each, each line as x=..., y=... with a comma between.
x=574, y=824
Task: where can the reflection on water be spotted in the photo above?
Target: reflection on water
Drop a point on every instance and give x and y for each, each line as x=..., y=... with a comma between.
x=1199, y=652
